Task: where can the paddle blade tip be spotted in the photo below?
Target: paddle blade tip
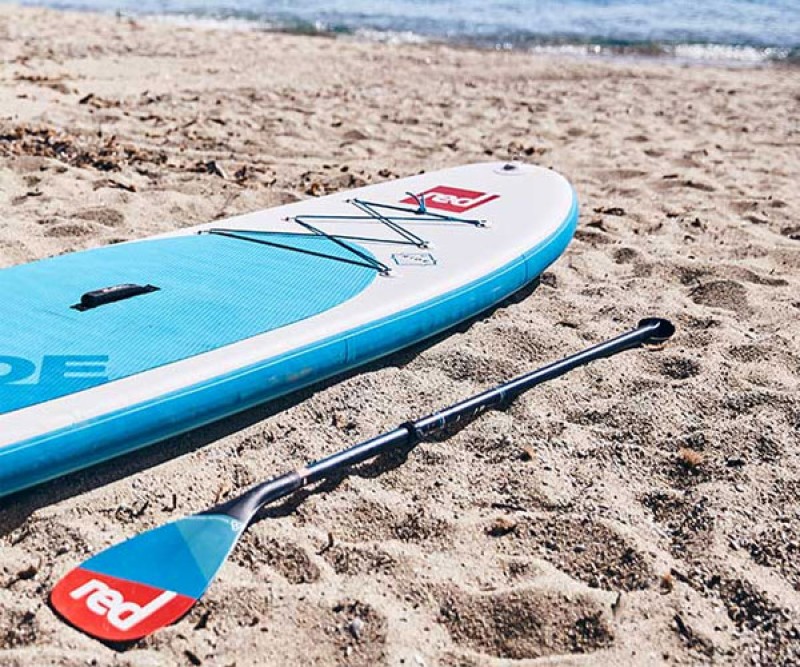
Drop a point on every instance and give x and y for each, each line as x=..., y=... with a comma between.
x=113, y=609
x=133, y=588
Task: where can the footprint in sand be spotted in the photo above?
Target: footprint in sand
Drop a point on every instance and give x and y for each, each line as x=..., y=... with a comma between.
x=727, y=294
x=367, y=520
x=107, y=217
x=679, y=368
x=526, y=623
x=624, y=255
x=287, y=559
x=354, y=561
x=586, y=550
x=69, y=230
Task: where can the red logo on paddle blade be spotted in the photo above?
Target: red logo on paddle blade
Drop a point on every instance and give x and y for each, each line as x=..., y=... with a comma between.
x=450, y=199
x=115, y=609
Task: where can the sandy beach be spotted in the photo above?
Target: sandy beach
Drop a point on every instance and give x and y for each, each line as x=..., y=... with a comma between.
x=639, y=511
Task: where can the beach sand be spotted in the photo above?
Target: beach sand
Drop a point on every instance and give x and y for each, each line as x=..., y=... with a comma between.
x=639, y=511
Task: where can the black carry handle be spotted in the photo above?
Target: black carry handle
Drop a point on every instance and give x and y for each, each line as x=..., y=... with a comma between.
x=100, y=297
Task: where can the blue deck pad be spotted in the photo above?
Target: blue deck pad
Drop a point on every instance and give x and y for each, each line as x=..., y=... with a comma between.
x=213, y=291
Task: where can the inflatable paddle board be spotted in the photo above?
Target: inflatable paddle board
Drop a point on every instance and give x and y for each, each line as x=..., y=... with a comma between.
x=107, y=350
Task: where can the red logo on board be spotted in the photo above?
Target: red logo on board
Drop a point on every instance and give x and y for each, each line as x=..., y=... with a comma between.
x=115, y=609
x=450, y=199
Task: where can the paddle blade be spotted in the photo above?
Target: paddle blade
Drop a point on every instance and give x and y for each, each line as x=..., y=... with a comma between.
x=134, y=588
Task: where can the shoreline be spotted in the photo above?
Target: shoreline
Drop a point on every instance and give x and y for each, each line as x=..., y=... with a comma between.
x=680, y=53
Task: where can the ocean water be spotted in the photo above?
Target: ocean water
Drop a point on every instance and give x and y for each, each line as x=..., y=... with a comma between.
x=743, y=30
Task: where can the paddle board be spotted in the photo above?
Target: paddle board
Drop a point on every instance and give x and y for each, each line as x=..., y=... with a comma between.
x=107, y=350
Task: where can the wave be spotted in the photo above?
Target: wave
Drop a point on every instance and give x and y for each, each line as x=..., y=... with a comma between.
x=698, y=52
x=684, y=46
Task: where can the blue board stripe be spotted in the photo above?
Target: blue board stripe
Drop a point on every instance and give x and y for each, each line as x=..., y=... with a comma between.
x=45, y=457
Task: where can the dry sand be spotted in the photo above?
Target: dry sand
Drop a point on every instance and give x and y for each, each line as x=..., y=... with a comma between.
x=642, y=510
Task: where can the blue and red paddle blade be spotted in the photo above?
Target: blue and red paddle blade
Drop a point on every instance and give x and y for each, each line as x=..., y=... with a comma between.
x=134, y=588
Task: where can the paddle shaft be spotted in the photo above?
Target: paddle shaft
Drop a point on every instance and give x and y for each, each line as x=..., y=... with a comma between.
x=244, y=507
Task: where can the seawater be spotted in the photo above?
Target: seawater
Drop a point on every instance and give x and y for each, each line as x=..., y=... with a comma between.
x=747, y=30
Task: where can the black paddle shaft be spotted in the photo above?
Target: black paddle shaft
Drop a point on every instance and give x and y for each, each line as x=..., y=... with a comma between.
x=652, y=330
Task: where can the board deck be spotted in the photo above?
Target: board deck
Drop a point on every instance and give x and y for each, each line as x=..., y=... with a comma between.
x=241, y=311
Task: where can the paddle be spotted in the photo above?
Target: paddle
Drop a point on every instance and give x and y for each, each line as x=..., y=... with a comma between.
x=138, y=586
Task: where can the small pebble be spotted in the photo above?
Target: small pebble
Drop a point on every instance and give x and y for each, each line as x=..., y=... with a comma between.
x=501, y=526
x=356, y=628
